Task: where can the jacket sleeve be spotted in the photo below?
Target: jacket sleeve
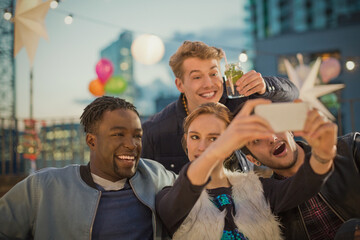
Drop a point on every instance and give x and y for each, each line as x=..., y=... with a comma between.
x=279, y=89
x=289, y=193
x=147, y=144
x=356, y=149
x=173, y=204
x=17, y=209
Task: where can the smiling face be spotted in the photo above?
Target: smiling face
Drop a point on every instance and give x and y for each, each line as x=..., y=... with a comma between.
x=202, y=81
x=203, y=131
x=279, y=153
x=116, y=145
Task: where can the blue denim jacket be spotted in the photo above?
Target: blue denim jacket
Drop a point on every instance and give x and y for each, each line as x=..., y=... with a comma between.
x=61, y=203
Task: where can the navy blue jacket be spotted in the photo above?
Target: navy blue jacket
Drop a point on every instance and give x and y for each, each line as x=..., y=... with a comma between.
x=162, y=132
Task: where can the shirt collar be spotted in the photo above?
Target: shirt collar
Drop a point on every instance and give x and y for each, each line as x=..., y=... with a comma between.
x=109, y=185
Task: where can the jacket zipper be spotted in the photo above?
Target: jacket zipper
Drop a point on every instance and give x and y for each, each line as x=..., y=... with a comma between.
x=93, y=219
x=303, y=223
x=332, y=209
x=152, y=212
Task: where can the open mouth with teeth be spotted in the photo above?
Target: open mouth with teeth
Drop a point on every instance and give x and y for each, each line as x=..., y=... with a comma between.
x=279, y=150
x=208, y=95
x=127, y=159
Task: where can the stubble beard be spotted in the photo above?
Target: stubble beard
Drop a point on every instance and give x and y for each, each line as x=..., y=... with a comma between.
x=125, y=172
x=291, y=164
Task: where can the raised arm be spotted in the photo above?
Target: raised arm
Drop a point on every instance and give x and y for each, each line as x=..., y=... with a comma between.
x=242, y=129
x=280, y=89
x=253, y=85
x=174, y=203
x=321, y=135
x=286, y=194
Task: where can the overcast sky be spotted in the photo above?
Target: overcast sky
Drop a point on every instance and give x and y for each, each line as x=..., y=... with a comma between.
x=64, y=65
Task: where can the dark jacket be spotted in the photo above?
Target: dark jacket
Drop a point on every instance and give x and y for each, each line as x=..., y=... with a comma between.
x=174, y=203
x=341, y=192
x=162, y=132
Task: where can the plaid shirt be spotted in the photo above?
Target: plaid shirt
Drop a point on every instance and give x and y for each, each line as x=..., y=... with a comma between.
x=320, y=221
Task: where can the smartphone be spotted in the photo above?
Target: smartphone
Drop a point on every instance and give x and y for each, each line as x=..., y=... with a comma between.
x=284, y=116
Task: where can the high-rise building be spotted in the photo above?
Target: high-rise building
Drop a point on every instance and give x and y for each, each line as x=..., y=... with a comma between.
x=277, y=17
x=322, y=28
x=119, y=53
x=7, y=62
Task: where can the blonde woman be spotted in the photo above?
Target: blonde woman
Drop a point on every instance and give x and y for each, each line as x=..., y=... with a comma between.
x=208, y=201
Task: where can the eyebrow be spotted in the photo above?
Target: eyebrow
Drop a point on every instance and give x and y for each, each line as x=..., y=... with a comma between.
x=117, y=128
x=124, y=128
x=192, y=71
x=208, y=134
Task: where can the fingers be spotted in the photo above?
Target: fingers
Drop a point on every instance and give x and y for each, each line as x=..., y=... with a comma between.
x=252, y=121
x=244, y=130
x=252, y=88
x=248, y=107
x=250, y=83
x=326, y=128
x=324, y=140
x=314, y=119
x=320, y=133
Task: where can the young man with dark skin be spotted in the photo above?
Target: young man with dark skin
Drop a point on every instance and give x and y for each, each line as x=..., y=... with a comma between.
x=338, y=201
x=112, y=197
x=198, y=78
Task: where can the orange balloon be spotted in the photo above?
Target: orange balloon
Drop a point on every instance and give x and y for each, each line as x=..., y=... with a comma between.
x=96, y=88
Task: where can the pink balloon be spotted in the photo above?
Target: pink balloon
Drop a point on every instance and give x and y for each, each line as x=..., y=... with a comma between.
x=329, y=69
x=104, y=69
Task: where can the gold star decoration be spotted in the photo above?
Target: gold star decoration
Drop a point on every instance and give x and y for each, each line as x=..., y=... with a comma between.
x=308, y=91
x=29, y=23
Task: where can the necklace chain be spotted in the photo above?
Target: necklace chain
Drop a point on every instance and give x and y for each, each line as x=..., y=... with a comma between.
x=184, y=104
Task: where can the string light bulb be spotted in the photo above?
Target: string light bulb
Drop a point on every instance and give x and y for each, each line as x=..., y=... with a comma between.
x=7, y=15
x=68, y=19
x=350, y=65
x=243, y=57
x=147, y=49
x=54, y=4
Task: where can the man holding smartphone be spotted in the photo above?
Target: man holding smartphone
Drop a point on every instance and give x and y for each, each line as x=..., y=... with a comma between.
x=338, y=203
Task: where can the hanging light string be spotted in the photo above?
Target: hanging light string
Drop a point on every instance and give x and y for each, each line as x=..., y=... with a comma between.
x=350, y=62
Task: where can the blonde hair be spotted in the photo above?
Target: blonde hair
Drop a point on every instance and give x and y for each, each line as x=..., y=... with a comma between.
x=193, y=49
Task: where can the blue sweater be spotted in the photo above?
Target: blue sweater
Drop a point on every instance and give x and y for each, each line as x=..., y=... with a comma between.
x=107, y=225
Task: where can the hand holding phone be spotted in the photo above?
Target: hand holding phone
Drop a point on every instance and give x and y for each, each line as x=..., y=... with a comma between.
x=284, y=116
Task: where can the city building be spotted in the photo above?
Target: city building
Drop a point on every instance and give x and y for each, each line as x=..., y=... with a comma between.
x=61, y=144
x=119, y=53
x=323, y=28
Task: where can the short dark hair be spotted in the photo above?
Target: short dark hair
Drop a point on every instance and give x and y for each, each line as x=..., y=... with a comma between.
x=246, y=151
x=94, y=111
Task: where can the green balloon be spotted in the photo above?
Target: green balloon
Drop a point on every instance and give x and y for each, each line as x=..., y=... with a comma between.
x=330, y=100
x=115, y=85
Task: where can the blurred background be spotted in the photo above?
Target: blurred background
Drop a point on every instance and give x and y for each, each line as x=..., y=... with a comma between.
x=47, y=84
